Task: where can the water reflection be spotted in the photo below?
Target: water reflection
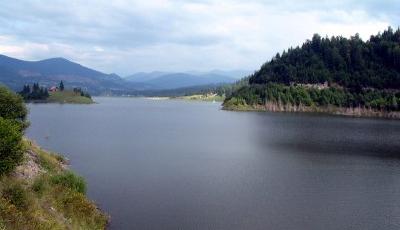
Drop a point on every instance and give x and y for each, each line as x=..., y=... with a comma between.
x=186, y=165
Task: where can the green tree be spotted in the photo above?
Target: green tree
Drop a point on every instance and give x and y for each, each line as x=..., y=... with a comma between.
x=12, y=106
x=394, y=103
x=357, y=73
x=11, y=151
x=37, y=93
x=61, y=86
x=12, y=123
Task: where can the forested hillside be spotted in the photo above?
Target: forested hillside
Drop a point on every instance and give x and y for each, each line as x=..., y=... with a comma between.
x=325, y=72
x=351, y=63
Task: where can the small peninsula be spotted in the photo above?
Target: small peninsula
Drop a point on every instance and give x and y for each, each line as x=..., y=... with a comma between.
x=55, y=94
x=68, y=97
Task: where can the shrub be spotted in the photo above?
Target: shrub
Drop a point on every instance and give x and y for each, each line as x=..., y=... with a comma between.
x=11, y=150
x=70, y=181
x=39, y=185
x=81, y=212
x=12, y=106
x=48, y=162
x=17, y=196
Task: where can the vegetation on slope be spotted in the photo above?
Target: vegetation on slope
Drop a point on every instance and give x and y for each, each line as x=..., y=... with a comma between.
x=36, y=93
x=350, y=63
x=203, y=97
x=326, y=72
x=43, y=194
x=58, y=95
x=36, y=189
x=12, y=123
x=68, y=96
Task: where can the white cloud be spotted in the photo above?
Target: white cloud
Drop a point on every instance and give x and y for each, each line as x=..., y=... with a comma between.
x=130, y=36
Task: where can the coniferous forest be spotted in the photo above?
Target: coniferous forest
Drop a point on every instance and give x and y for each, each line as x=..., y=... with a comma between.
x=34, y=93
x=333, y=71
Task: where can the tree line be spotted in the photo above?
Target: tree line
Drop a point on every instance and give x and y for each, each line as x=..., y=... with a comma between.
x=82, y=93
x=356, y=73
x=37, y=92
x=300, y=95
x=351, y=63
x=34, y=93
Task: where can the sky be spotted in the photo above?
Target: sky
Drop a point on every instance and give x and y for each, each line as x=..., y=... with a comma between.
x=125, y=37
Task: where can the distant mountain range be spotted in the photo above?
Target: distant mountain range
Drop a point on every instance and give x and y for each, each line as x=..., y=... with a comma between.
x=168, y=80
x=15, y=73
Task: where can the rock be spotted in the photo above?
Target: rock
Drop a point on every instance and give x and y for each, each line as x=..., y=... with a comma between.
x=30, y=168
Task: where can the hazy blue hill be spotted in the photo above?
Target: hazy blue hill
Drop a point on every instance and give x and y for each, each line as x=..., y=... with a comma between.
x=165, y=80
x=15, y=73
x=55, y=66
x=238, y=74
x=9, y=77
x=179, y=80
x=143, y=76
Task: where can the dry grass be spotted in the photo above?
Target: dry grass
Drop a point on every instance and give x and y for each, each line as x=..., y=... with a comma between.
x=54, y=199
x=68, y=97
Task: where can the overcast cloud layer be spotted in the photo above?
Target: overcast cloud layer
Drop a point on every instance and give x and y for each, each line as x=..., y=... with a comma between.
x=132, y=36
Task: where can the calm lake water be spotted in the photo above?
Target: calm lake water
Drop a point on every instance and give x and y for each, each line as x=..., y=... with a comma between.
x=188, y=165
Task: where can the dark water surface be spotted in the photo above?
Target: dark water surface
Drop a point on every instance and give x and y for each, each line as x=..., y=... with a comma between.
x=188, y=165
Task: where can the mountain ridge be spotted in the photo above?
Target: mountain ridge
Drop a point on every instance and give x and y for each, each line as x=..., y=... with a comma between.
x=49, y=72
x=173, y=80
x=15, y=73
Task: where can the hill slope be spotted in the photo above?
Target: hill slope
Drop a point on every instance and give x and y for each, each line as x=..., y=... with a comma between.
x=163, y=80
x=179, y=80
x=350, y=63
x=42, y=193
x=143, y=76
x=15, y=73
x=329, y=72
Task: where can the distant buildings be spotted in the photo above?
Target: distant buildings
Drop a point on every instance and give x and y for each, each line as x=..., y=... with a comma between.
x=53, y=89
x=319, y=86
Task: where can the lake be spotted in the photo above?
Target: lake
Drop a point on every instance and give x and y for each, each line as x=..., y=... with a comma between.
x=174, y=164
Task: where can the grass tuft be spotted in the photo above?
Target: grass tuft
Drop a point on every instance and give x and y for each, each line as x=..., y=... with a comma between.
x=54, y=199
x=71, y=181
x=68, y=96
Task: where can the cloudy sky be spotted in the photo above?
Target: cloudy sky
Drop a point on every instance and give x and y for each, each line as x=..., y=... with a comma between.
x=177, y=35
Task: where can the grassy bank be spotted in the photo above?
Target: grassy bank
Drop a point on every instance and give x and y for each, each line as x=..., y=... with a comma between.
x=43, y=194
x=240, y=105
x=203, y=97
x=68, y=96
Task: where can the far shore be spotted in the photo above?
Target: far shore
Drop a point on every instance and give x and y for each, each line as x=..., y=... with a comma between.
x=333, y=110
x=64, y=97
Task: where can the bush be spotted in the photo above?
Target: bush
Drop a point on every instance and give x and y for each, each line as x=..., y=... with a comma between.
x=70, y=181
x=80, y=211
x=17, y=196
x=11, y=150
x=12, y=106
x=39, y=185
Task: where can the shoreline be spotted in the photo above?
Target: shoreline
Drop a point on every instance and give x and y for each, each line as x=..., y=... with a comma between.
x=51, y=196
x=58, y=102
x=201, y=97
x=359, y=112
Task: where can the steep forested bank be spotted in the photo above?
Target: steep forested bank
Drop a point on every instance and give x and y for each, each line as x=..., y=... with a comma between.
x=328, y=74
x=37, y=191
